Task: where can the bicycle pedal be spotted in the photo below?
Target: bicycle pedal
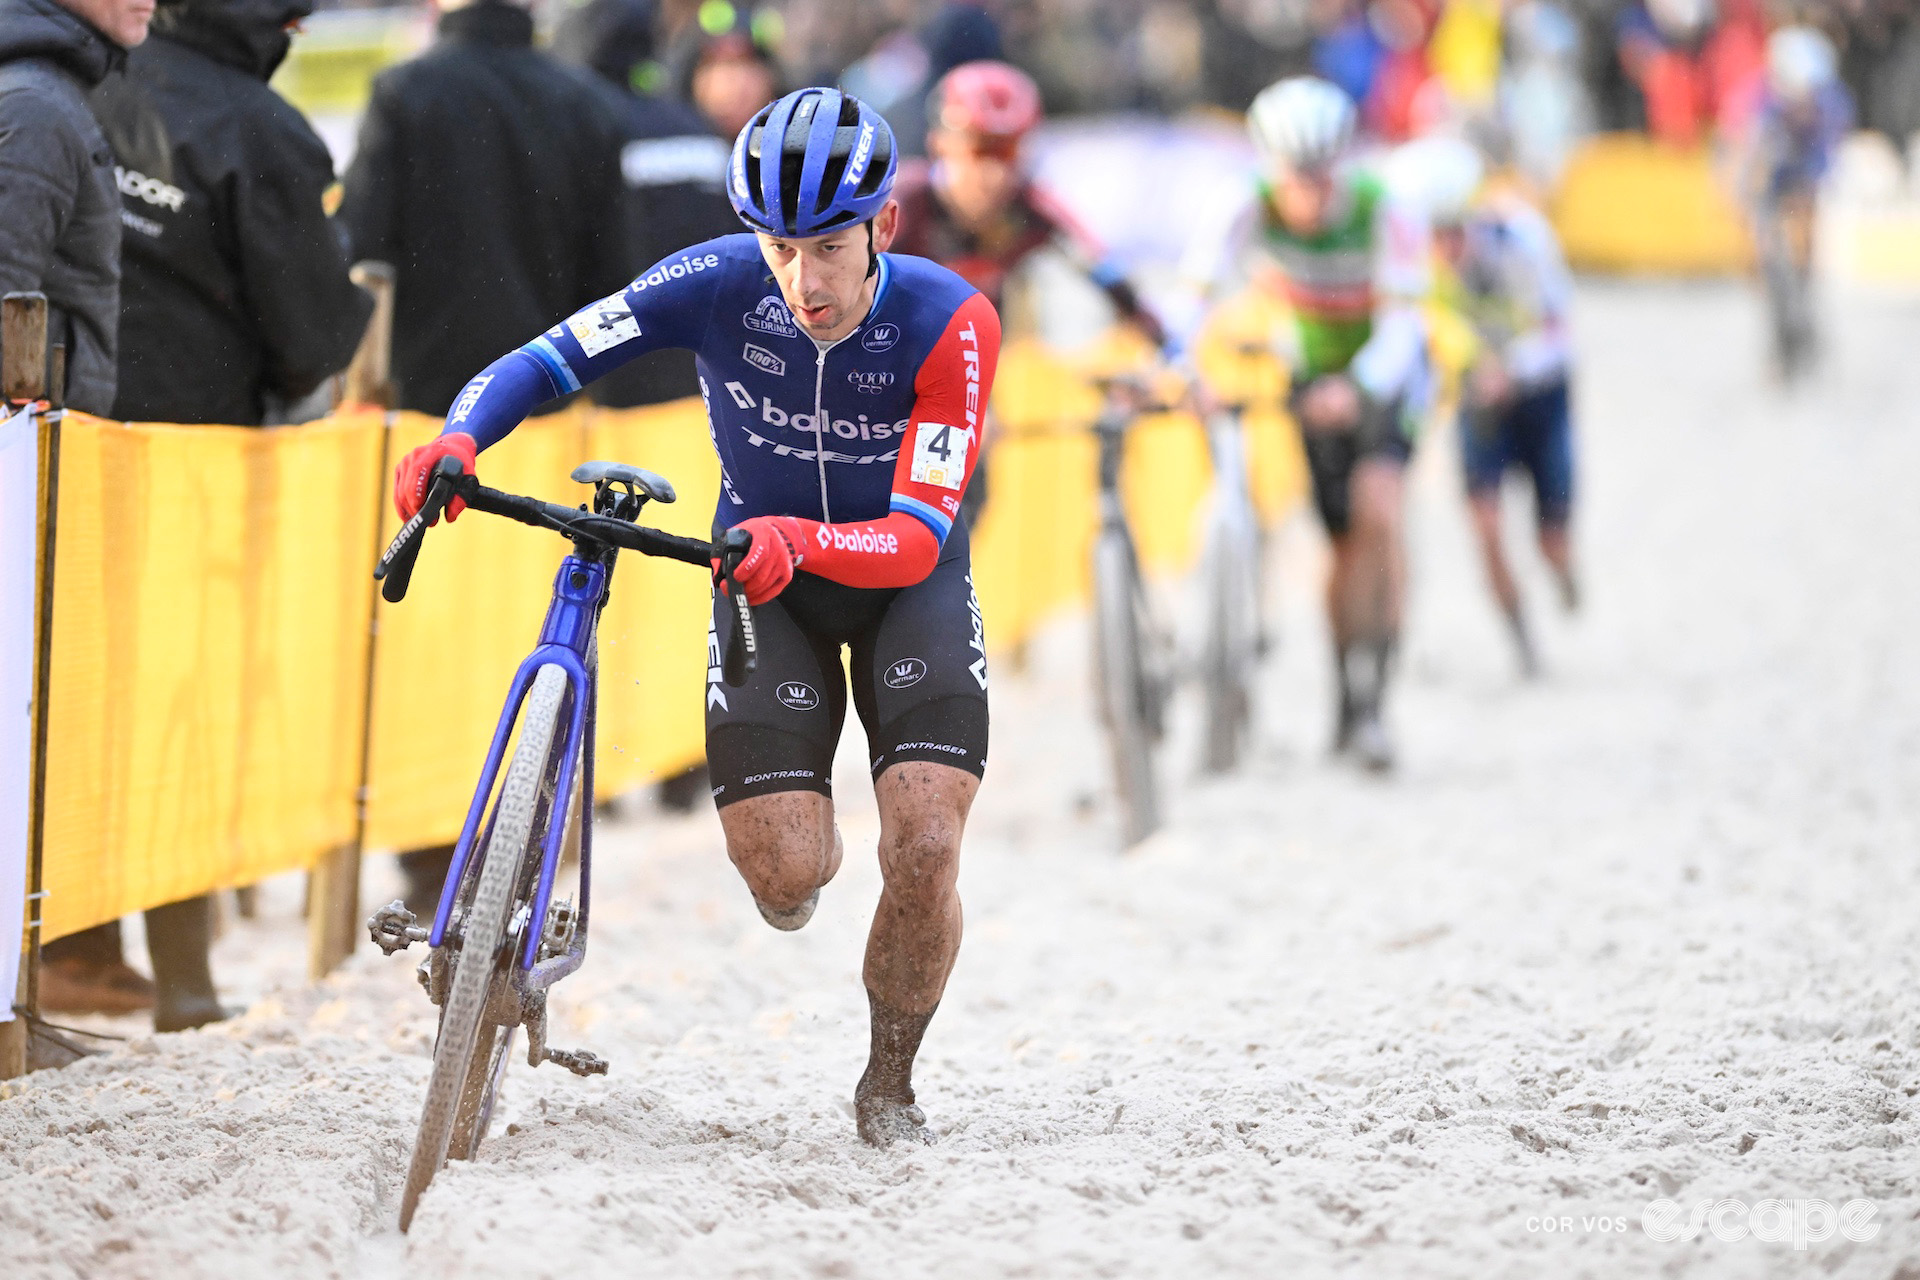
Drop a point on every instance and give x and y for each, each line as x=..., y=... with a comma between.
x=579, y=1061
x=394, y=928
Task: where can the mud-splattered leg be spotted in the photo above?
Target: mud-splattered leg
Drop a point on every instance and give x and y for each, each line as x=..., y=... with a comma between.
x=915, y=936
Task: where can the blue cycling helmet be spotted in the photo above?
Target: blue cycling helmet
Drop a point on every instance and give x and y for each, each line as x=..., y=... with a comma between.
x=832, y=166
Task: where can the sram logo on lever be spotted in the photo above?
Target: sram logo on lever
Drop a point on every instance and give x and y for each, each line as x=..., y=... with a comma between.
x=400, y=540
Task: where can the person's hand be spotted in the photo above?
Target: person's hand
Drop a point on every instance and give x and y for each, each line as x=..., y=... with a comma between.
x=1489, y=385
x=779, y=548
x=1332, y=403
x=415, y=473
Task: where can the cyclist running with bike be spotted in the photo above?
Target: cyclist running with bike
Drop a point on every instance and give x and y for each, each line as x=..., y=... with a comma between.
x=845, y=388
x=1506, y=278
x=971, y=207
x=1351, y=260
x=1803, y=115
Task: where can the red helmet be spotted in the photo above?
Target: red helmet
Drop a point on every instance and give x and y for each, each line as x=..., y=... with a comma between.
x=990, y=98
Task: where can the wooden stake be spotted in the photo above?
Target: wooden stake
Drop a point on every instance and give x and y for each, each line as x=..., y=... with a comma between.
x=334, y=922
x=333, y=910
x=23, y=378
x=369, y=378
x=23, y=347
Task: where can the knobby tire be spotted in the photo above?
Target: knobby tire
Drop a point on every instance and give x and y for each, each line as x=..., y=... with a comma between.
x=463, y=1058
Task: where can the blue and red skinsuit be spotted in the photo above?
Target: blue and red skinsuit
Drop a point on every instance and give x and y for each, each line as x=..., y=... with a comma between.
x=873, y=437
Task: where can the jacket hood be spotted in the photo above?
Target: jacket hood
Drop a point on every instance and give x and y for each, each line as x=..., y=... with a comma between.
x=42, y=29
x=612, y=37
x=250, y=35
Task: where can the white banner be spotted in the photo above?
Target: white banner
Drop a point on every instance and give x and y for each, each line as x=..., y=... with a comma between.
x=19, y=562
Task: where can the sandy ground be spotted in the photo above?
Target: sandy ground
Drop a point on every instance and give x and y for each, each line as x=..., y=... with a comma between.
x=1642, y=930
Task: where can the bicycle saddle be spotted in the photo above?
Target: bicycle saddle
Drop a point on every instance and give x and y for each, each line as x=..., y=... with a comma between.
x=638, y=479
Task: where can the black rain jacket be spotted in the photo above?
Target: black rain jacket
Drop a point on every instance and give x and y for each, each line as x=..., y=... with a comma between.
x=233, y=282
x=488, y=174
x=59, y=211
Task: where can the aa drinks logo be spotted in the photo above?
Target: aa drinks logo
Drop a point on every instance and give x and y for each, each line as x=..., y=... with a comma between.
x=771, y=316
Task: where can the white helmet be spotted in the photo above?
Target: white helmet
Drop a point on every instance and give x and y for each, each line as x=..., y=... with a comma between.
x=1304, y=122
x=1682, y=19
x=1800, y=62
x=1440, y=175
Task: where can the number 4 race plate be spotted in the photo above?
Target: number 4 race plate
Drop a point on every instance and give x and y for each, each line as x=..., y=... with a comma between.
x=940, y=454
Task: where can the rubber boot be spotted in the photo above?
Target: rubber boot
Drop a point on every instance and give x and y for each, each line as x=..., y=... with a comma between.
x=1366, y=670
x=85, y=972
x=1343, y=713
x=1523, y=645
x=425, y=870
x=179, y=936
x=1569, y=591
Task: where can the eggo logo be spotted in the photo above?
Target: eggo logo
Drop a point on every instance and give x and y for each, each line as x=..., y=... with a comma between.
x=798, y=696
x=905, y=673
x=857, y=540
x=869, y=383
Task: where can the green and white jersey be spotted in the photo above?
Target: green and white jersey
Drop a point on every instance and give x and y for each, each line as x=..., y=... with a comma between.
x=1355, y=286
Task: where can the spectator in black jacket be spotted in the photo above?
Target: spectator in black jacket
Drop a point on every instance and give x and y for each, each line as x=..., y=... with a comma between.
x=60, y=235
x=488, y=174
x=674, y=166
x=234, y=285
x=59, y=211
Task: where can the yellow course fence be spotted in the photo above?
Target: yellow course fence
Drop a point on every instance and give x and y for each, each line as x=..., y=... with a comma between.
x=222, y=675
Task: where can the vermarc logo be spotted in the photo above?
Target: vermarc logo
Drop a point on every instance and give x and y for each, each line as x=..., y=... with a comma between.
x=905, y=673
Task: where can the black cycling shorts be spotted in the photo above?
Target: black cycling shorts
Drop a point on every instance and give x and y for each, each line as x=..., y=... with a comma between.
x=916, y=658
x=1333, y=455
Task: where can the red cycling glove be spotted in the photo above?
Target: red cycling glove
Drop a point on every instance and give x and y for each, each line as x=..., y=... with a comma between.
x=779, y=547
x=412, y=476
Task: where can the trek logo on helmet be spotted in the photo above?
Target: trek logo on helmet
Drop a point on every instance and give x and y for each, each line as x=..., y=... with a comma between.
x=862, y=153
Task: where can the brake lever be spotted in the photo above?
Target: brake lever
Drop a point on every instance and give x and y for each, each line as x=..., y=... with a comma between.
x=743, y=645
x=395, y=570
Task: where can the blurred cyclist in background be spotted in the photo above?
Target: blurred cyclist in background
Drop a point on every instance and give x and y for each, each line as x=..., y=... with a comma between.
x=972, y=208
x=1353, y=264
x=1694, y=62
x=1803, y=114
x=1505, y=276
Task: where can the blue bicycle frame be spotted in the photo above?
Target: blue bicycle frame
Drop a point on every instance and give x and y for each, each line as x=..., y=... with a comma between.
x=566, y=641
